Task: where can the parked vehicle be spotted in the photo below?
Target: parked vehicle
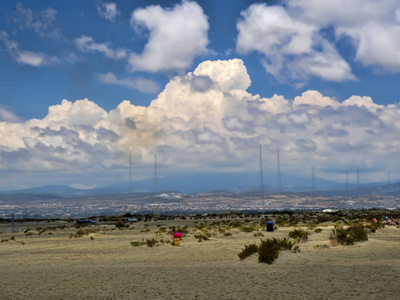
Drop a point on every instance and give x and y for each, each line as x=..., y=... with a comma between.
x=85, y=221
x=130, y=220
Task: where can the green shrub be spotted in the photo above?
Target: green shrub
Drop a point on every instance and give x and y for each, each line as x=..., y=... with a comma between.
x=200, y=237
x=256, y=234
x=355, y=233
x=250, y=228
x=286, y=244
x=299, y=235
x=247, y=251
x=136, y=243
x=151, y=242
x=358, y=232
x=321, y=246
x=81, y=232
x=318, y=230
x=268, y=250
x=375, y=225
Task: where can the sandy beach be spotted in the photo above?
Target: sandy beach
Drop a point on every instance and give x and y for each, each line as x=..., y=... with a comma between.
x=104, y=265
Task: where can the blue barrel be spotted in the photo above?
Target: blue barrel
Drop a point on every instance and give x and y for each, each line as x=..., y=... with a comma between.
x=270, y=226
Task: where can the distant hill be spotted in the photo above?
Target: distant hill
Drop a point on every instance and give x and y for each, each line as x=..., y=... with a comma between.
x=245, y=182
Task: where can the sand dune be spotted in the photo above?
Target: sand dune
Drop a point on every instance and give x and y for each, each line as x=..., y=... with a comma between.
x=106, y=266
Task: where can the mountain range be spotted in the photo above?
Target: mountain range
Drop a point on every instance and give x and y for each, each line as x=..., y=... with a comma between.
x=210, y=182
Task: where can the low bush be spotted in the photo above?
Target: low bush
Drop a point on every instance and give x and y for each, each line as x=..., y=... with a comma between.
x=137, y=243
x=81, y=232
x=200, y=236
x=151, y=242
x=318, y=230
x=375, y=225
x=321, y=246
x=286, y=244
x=299, y=234
x=256, y=234
x=351, y=235
x=250, y=228
x=268, y=250
x=247, y=251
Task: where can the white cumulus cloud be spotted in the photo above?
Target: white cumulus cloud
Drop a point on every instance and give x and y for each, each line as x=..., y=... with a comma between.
x=138, y=83
x=87, y=44
x=175, y=36
x=207, y=121
x=108, y=10
x=292, y=49
x=294, y=45
x=25, y=57
x=374, y=27
x=42, y=22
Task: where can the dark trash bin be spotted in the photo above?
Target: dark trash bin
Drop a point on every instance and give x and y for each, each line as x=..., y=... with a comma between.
x=270, y=226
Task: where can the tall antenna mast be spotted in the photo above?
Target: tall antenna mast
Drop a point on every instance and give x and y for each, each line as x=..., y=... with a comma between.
x=313, y=184
x=279, y=187
x=388, y=176
x=358, y=182
x=155, y=173
x=130, y=172
x=261, y=175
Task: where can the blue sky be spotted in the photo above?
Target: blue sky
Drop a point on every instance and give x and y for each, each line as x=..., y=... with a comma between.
x=318, y=81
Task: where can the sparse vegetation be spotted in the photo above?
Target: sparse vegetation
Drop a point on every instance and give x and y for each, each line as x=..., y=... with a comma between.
x=268, y=250
x=202, y=237
x=247, y=251
x=81, y=232
x=299, y=235
x=351, y=235
x=137, y=243
x=151, y=242
x=321, y=246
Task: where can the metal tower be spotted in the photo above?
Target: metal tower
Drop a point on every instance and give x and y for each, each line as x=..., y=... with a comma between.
x=155, y=173
x=130, y=172
x=358, y=182
x=261, y=175
x=279, y=186
x=313, y=184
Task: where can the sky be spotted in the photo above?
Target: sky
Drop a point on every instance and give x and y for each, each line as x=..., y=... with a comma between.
x=85, y=84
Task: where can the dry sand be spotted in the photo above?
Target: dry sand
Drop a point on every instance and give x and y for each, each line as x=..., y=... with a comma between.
x=108, y=267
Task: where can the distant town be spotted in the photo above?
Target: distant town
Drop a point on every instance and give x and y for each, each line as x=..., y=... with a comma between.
x=32, y=206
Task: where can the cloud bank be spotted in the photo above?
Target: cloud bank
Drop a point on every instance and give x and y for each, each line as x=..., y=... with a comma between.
x=295, y=41
x=207, y=121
